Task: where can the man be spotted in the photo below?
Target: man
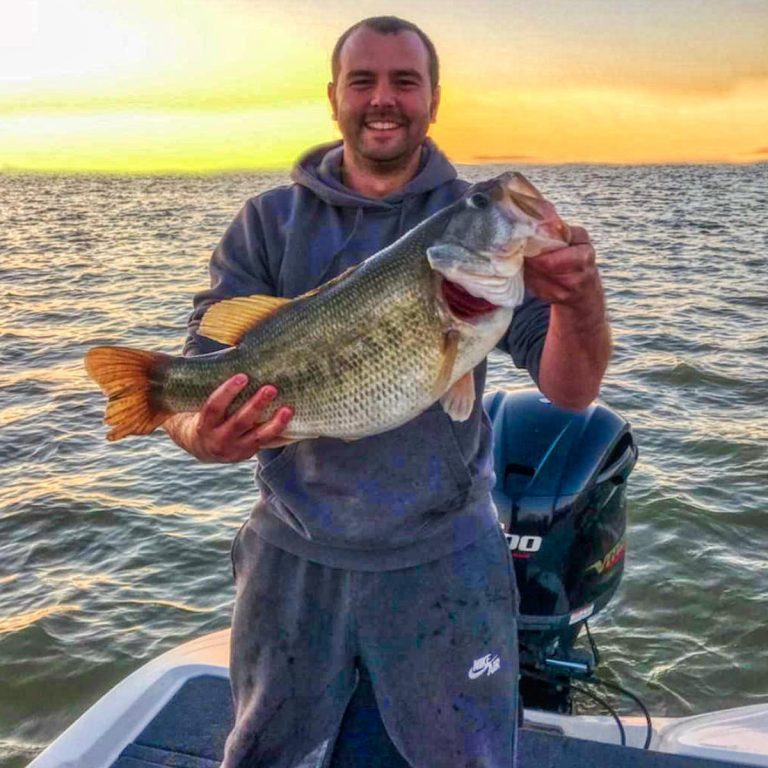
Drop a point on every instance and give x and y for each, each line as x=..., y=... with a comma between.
x=384, y=553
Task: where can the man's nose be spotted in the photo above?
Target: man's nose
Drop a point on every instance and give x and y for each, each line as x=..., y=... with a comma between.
x=383, y=95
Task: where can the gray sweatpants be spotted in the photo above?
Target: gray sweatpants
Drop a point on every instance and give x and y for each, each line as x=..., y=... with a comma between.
x=439, y=641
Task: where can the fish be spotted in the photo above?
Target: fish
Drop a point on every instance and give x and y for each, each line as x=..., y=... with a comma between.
x=368, y=350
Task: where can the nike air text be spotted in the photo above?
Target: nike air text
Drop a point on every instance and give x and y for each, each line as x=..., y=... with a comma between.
x=485, y=665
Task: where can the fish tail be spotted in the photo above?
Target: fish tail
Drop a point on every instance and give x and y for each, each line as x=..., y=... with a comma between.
x=132, y=380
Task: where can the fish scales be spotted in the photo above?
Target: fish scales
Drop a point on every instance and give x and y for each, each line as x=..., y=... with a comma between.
x=369, y=350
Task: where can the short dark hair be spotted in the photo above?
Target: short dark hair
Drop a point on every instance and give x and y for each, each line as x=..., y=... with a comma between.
x=388, y=25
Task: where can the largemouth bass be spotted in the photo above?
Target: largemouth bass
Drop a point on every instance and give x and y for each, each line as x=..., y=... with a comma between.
x=370, y=349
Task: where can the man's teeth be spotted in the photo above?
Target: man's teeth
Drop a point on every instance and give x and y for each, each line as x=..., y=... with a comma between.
x=380, y=125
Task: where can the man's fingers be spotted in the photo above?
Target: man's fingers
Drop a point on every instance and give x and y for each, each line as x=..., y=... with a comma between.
x=566, y=275
x=272, y=429
x=251, y=413
x=579, y=236
x=557, y=290
x=228, y=437
x=214, y=411
x=569, y=259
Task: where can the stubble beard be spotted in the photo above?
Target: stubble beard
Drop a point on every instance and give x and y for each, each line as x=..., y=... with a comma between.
x=385, y=160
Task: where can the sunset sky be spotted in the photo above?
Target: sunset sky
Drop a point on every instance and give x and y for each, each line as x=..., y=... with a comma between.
x=205, y=85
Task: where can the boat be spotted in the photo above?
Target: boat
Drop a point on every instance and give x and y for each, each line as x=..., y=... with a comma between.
x=561, y=496
x=176, y=711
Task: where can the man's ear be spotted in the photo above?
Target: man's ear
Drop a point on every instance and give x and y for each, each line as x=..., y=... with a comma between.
x=332, y=99
x=435, y=104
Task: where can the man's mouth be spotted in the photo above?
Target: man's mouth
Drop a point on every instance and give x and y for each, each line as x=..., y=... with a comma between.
x=382, y=125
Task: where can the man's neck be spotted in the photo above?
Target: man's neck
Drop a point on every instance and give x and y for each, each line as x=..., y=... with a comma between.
x=375, y=180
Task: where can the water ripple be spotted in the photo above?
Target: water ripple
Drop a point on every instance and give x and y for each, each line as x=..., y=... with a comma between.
x=111, y=554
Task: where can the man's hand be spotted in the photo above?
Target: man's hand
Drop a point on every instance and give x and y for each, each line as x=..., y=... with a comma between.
x=578, y=344
x=568, y=275
x=212, y=436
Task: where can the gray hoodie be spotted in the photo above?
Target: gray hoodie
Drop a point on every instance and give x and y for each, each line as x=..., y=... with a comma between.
x=392, y=500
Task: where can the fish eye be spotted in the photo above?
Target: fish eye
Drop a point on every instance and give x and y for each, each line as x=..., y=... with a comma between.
x=479, y=200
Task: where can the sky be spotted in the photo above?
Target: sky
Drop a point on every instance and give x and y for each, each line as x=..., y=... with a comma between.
x=216, y=85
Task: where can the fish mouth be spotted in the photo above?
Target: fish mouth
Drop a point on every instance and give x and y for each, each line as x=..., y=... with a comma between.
x=496, y=264
x=463, y=304
x=479, y=290
x=522, y=197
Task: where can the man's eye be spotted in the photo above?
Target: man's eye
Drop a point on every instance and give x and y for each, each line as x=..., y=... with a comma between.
x=359, y=83
x=407, y=83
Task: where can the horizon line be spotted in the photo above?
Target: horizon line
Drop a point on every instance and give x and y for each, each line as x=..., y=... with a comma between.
x=9, y=170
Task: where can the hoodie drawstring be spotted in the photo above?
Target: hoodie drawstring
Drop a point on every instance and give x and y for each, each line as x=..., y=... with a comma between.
x=401, y=220
x=333, y=266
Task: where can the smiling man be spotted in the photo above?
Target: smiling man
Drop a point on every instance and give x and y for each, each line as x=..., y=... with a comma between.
x=383, y=555
x=384, y=95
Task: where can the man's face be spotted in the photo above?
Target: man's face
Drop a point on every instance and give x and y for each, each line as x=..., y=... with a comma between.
x=382, y=99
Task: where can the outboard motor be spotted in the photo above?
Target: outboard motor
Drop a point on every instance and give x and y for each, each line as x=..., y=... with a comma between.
x=561, y=496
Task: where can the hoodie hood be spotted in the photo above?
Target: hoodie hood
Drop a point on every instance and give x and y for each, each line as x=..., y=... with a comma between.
x=320, y=171
x=412, y=494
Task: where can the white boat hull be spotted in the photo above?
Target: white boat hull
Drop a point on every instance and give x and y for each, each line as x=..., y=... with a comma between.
x=98, y=737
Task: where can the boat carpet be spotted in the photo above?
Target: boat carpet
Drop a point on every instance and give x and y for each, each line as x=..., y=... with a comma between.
x=190, y=731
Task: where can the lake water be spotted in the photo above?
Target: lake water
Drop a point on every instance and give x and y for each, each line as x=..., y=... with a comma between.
x=113, y=553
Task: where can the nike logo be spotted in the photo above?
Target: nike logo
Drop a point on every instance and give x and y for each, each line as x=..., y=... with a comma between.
x=485, y=665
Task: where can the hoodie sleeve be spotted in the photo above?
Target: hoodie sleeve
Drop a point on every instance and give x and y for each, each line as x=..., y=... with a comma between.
x=238, y=267
x=524, y=339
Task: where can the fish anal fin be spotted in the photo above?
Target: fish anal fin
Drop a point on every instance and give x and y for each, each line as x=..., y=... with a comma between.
x=281, y=442
x=450, y=351
x=459, y=400
x=230, y=319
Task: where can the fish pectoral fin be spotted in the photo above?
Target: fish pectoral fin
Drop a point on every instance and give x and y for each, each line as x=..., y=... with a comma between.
x=459, y=400
x=229, y=320
x=450, y=351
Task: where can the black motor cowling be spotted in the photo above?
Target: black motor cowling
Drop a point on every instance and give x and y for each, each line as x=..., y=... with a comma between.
x=561, y=496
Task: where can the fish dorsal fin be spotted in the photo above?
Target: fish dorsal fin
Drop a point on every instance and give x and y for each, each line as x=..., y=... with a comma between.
x=333, y=281
x=229, y=320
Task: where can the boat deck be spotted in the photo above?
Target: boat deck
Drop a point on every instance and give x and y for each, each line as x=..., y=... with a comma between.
x=190, y=731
